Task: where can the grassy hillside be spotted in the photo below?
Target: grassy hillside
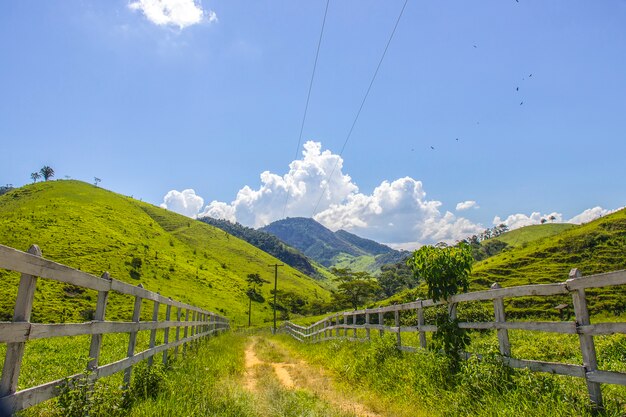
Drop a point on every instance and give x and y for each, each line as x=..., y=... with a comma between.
x=525, y=235
x=546, y=255
x=598, y=246
x=96, y=230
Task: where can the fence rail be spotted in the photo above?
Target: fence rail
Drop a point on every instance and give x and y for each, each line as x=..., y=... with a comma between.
x=575, y=286
x=196, y=323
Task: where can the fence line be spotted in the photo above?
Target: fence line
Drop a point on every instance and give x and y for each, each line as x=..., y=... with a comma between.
x=575, y=286
x=15, y=334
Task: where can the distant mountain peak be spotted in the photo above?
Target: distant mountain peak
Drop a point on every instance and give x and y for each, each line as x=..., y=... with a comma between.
x=332, y=248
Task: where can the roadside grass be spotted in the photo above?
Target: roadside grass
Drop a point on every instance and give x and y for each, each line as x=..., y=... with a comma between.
x=482, y=388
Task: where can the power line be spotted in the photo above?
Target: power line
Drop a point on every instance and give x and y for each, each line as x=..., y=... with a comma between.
x=361, y=106
x=308, y=96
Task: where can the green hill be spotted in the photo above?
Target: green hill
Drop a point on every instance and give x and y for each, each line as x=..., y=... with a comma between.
x=96, y=230
x=527, y=234
x=542, y=255
x=595, y=247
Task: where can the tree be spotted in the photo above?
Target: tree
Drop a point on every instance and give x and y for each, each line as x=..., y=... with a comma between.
x=552, y=218
x=96, y=180
x=445, y=269
x=35, y=176
x=355, y=288
x=253, y=292
x=46, y=172
x=543, y=221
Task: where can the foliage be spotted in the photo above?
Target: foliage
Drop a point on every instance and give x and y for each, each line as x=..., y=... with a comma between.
x=394, y=278
x=450, y=338
x=268, y=243
x=46, y=172
x=445, y=269
x=5, y=188
x=147, y=381
x=81, y=396
x=339, y=249
x=354, y=288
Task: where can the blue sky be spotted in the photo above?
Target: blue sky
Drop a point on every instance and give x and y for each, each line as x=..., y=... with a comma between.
x=208, y=96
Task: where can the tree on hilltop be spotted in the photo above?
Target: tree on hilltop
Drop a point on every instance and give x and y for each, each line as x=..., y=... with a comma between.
x=35, y=176
x=46, y=172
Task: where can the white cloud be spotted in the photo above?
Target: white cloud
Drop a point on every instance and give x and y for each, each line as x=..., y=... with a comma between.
x=396, y=212
x=186, y=202
x=181, y=13
x=466, y=205
x=591, y=214
x=515, y=221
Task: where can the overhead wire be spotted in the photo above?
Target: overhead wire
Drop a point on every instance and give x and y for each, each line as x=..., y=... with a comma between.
x=356, y=118
x=308, y=96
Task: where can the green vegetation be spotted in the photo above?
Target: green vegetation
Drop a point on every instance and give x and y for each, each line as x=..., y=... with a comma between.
x=527, y=234
x=339, y=249
x=415, y=384
x=95, y=230
x=545, y=254
x=268, y=243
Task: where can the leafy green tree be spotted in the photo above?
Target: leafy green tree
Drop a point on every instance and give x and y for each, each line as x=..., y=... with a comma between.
x=355, y=288
x=35, y=176
x=445, y=269
x=394, y=278
x=46, y=172
x=254, y=293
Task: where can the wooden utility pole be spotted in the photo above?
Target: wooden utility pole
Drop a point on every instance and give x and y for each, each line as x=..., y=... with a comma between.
x=275, y=290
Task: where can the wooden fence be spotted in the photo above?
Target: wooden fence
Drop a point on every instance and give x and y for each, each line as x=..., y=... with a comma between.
x=374, y=319
x=194, y=322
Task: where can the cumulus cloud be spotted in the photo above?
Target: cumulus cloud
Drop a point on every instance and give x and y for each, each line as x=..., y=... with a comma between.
x=515, y=221
x=181, y=13
x=396, y=212
x=184, y=202
x=466, y=205
x=591, y=214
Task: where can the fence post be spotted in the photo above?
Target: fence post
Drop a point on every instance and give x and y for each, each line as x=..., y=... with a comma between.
x=132, y=338
x=96, y=339
x=186, y=332
x=345, y=325
x=420, y=323
x=367, y=325
x=21, y=314
x=166, y=333
x=178, y=316
x=381, y=322
x=153, y=332
x=587, y=346
x=396, y=315
x=354, y=318
x=500, y=317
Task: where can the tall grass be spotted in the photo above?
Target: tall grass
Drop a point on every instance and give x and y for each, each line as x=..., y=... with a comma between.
x=481, y=388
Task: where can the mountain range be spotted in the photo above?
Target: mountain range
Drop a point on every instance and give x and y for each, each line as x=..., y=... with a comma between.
x=339, y=249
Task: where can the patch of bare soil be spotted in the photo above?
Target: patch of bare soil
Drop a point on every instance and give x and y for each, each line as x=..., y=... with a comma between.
x=301, y=375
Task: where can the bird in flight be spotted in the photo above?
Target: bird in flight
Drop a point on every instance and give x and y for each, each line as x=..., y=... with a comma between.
x=530, y=75
x=521, y=103
x=475, y=46
x=516, y=88
x=432, y=147
x=457, y=139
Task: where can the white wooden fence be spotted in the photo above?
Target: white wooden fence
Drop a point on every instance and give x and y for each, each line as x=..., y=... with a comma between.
x=582, y=326
x=194, y=322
